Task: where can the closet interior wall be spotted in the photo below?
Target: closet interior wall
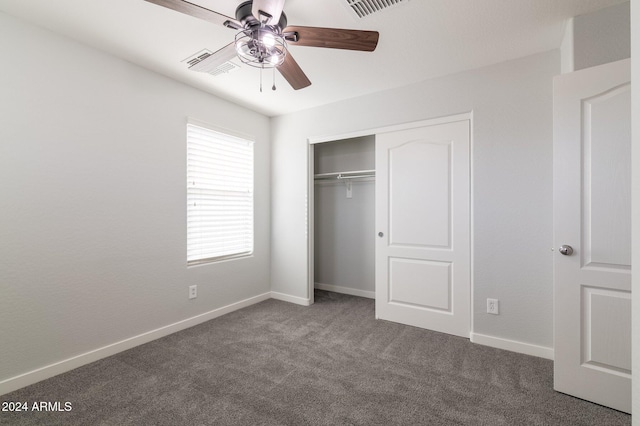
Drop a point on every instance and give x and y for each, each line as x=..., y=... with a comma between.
x=344, y=228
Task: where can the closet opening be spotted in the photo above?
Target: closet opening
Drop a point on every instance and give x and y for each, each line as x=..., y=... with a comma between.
x=343, y=226
x=402, y=237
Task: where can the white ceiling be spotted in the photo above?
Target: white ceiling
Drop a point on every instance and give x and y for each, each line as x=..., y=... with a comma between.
x=419, y=39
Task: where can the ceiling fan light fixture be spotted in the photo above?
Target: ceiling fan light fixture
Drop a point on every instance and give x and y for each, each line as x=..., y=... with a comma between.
x=268, y=39
x=261, y=47
x=276, y=60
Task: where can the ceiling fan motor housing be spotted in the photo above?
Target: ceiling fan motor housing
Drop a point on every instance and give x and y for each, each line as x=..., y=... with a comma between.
x=245, y=16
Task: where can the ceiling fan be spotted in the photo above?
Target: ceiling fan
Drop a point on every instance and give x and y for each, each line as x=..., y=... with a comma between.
x=263, y=35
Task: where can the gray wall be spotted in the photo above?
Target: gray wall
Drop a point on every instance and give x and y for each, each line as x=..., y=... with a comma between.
x=512, y=183
x=93, y=201
x=344, y=243
x=602, y=36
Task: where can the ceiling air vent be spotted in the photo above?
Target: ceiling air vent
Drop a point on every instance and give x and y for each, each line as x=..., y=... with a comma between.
x=195, y=58
x=366, y=8
x=224, y=68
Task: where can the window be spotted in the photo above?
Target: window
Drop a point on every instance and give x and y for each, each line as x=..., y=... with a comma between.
x=219, y=195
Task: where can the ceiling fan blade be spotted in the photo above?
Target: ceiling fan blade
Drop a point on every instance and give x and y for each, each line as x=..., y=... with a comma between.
x=292, y=72
x=198, y=12
x=332, y=38
x=216, y=59
x=269, y=10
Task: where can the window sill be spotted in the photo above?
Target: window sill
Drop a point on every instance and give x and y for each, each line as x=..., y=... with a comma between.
x=219, y=259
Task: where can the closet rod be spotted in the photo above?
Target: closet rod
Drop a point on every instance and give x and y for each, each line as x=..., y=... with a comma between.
x=355, y=174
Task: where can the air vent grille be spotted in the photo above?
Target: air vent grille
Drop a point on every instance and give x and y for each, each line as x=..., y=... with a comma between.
x=197, y=57
x=365, y=8
x=225, y=68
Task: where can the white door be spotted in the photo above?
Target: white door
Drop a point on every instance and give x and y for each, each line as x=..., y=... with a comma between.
x=422, y=220
x=592, y=214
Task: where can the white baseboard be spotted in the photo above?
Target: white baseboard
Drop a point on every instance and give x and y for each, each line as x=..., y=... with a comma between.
x=291, y=299
x=31, y=377
x=346, y=290
x=513, y=346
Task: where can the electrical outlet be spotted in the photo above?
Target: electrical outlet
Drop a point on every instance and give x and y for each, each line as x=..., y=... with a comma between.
x=193, y=291
x=493, y=306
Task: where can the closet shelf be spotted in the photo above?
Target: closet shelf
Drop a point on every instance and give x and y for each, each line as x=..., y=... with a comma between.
x=353, y=174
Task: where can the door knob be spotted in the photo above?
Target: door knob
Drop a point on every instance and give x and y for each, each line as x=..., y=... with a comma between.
x=566, y=250
x=380, y=234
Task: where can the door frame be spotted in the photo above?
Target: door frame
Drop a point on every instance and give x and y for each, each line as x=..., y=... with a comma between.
x=314, y=140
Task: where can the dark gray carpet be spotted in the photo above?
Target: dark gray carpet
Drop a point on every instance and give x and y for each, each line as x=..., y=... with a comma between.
x=328, y=364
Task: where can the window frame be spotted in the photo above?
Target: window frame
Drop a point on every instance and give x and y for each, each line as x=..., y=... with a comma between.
x=242, y=138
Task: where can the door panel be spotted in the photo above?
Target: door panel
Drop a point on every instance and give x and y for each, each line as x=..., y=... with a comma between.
x=427, y=222
x=606, y=165
x=420, y=283
x=422, y=213
x=606, y=340
x=592, y=213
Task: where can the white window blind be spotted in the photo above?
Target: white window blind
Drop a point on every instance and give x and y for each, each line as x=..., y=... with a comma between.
x=219, y=195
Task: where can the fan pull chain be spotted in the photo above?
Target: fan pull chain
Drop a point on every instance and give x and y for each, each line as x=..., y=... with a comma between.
x=274, y=79
x=261, y=68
